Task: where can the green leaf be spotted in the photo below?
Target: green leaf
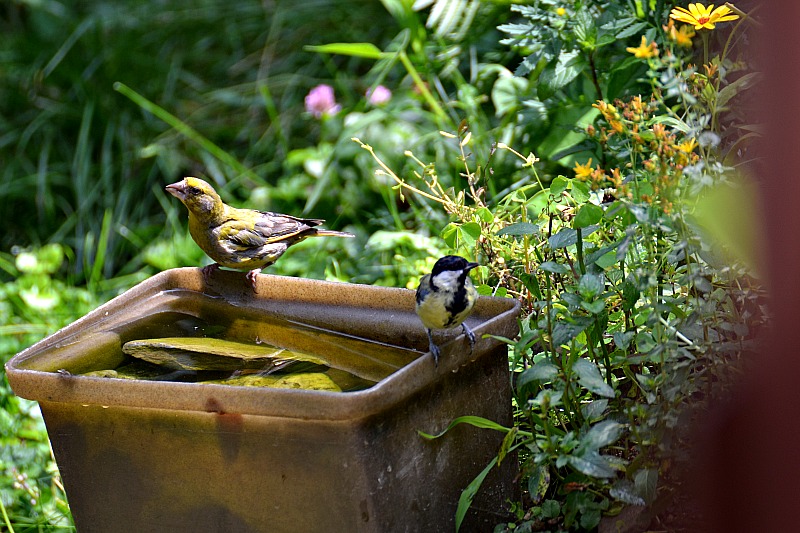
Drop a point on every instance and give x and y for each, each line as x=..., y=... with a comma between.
x=589, y=377
x=595, y=307
x=558, y=73
x=485, y=214
x=505, y=446
x=562, y=239
x=592, y=465
x=506, y=93
x=729, y=91
x=563, y=332
x=594, y=409
x=624, y=491
x=646, y=483
x=538, y=483
x=555, y=268
x=543, y=372
x=519, y=228
x=532, y=284
x=623, y=339
x=602, y=434
x=477, y=421
x=590, y=286
x=580, y=191
x=551, y=509
x=587, y=215
x=465, y=501
x=367, y=50
x=645, y=341
x=558, y=185
x=471, y=232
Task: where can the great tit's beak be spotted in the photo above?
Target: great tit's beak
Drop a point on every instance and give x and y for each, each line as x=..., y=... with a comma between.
x=470, y=266
x=177, y=189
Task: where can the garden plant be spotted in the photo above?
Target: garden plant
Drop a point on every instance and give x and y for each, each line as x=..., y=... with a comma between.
x=584, y=152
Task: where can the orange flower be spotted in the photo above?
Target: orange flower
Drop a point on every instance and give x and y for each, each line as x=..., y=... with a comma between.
x=681, y=37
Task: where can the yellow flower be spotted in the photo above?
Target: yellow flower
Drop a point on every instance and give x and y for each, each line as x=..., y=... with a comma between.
x=582, y=172
x=561, y=11
x=688, y=147
x=681, y=37
x=701, y=16
x=644, y=50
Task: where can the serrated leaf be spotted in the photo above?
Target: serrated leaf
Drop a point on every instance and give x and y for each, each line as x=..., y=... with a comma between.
x=551, y=509
x=587, y=215
x=631, y=30
x=519, y=228
x=367, y=50
x=602, y=434
x=589, y=377
x=560, y=72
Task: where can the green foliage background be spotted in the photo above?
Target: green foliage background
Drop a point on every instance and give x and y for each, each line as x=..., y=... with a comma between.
x=104, y=103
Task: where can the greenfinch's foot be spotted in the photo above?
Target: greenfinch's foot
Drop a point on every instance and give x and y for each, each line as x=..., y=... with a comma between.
x=470, y=336
x=251, y=276
x=208, y=270
x=433, y=348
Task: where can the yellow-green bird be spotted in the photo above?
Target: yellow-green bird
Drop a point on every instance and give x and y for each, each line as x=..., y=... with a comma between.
x=242, y=239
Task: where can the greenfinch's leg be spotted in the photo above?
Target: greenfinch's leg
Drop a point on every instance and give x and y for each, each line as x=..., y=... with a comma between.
x=251, y=276
x=208, y=270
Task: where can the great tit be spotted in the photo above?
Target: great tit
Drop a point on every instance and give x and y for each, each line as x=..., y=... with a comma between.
x=445, y=298
x=242, y=239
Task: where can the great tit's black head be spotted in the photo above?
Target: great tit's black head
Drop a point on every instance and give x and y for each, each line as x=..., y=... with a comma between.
x=452, y=263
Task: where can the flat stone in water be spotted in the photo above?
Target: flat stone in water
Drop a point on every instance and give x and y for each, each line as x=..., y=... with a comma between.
x=305, y=381
x=202, y=353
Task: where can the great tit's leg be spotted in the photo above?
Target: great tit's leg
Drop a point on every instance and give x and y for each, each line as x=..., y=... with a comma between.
x=251, y=277
x=469, y=334
x=433, y=348
x=208, y=270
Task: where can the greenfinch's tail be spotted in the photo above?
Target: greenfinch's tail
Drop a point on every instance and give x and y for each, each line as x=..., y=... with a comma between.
x=321, y=232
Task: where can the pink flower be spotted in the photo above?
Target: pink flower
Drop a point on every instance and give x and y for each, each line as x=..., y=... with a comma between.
x=379, y=96
x=320, y=101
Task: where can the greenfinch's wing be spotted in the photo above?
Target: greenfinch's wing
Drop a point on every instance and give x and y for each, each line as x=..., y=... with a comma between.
x=253, y=229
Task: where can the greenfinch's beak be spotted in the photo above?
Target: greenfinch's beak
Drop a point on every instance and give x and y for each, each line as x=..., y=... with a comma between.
x=178, y=190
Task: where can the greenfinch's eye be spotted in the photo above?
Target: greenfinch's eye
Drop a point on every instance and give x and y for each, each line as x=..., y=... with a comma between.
x=194, y=191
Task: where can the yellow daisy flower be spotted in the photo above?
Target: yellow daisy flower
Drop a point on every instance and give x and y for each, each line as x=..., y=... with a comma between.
x=702, y=17
x=644, y=50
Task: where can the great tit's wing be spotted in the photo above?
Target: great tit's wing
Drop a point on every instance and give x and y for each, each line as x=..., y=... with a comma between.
x=424, y=288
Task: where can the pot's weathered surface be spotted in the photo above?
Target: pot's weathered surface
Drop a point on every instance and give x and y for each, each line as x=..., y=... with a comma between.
x=164, y=456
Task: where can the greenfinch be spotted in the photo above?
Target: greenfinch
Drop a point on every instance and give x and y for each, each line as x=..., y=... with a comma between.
x=445, y=298
x=241, y=239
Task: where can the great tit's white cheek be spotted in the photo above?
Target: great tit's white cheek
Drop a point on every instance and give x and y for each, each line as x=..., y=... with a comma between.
x=447, y=280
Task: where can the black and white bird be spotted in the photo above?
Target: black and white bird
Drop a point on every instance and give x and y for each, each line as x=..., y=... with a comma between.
x=445, y=298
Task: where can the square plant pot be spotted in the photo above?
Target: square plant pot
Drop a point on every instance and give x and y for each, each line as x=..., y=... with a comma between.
x=149, y=455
